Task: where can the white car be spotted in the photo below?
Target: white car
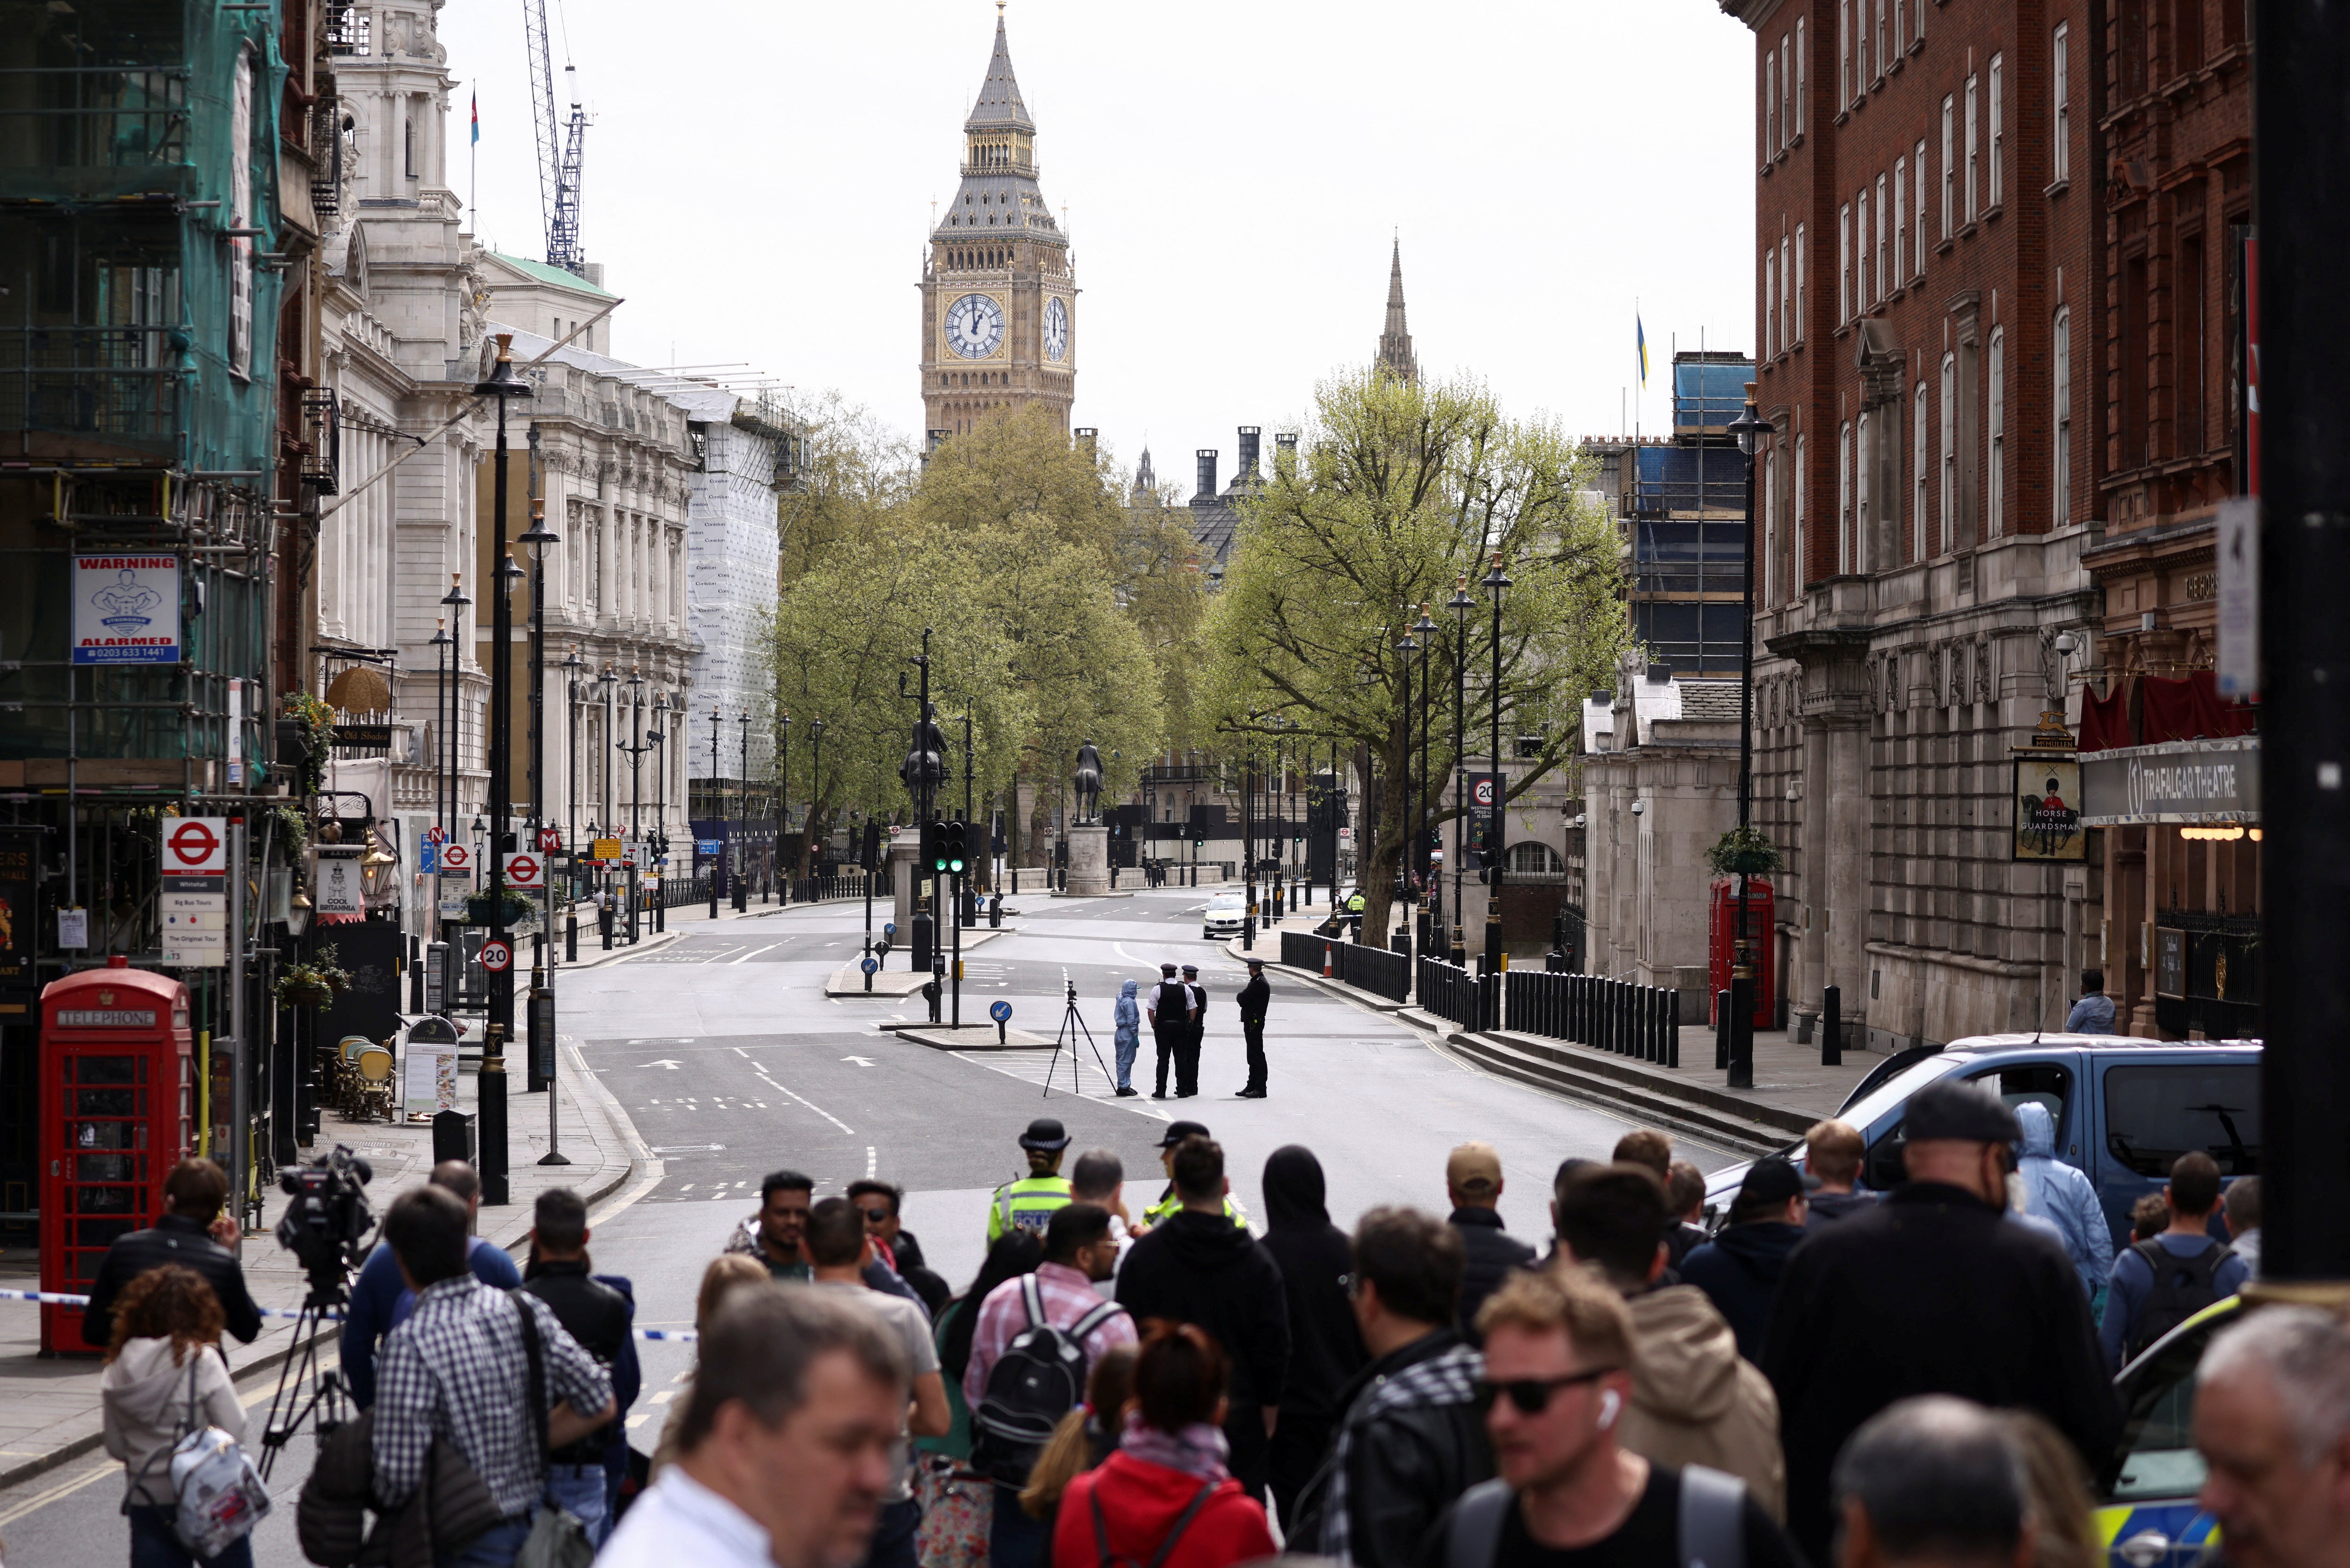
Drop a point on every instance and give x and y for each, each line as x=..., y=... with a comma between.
x=1226, y=912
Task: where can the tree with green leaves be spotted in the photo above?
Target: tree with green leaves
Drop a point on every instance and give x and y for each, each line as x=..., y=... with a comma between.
x=1399, y=496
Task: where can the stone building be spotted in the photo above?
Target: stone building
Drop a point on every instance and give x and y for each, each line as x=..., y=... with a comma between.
x=1929, y=279
x=999, y=285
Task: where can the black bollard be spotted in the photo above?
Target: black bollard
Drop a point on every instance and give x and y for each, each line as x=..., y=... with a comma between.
x=1721, y=1030
x=1832, y=1027
x=571, y=937
x=1672, y=1028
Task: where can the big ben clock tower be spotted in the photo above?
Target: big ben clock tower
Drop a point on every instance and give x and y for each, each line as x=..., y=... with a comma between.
x=999, y=292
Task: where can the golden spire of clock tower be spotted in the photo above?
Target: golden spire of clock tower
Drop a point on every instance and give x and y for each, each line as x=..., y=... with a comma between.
x=998, y=293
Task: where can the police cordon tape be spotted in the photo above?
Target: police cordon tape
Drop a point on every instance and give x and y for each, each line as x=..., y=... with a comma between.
x=51, y=1298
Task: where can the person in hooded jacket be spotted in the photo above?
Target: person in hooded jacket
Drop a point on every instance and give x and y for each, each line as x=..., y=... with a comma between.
x=1196, y=1266
x=1325, y=1344
x=164, y=1372
x=1695, y=1400
x=1739, y=1270
x=2066, y=1197
x=1127, y=1040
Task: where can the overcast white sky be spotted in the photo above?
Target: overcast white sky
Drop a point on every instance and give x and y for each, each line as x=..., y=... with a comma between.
x=759, y=178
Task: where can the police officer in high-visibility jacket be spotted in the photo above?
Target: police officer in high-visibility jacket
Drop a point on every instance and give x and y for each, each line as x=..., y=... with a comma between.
x=1028, y=1203
x=1355, y=915
x=1168, y=1204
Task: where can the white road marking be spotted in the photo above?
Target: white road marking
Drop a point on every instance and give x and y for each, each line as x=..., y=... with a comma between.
x=810, y=1105
x=740, y=1052
x=872, y=1160
x=754, y=952
x=860, y=1061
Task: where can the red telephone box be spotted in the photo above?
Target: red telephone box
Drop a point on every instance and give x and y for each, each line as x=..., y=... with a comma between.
x=118, y=1091
x=1760, y=931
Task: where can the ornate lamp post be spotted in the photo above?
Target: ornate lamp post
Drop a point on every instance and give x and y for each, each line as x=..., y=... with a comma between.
x=1431, y=898
x=501, y=388
x=718, y=790
x=610, y=681
x=540, y=1066
x=1496, y=959
x=657, y=737
x=573, y=670
x=1749, y=429
x=816, y=777
x=782, y=805
x=1408, y=647
x=1460, y=604
x=445, y=752
x=743, y=851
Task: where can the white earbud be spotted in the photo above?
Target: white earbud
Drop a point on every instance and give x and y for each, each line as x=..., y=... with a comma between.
x=1610, y=1404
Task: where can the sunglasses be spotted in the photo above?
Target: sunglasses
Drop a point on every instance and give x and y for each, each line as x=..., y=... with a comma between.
x=878, y=1216
x=1531, y=1396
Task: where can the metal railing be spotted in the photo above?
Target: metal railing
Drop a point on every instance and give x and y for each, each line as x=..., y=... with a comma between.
x=1642, y=1022
x=1471, y=1000
x=825, y=889
x=1375, y=969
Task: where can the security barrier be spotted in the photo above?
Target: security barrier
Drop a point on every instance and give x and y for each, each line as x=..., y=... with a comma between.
x=1375, y=969
x=1637, y=1021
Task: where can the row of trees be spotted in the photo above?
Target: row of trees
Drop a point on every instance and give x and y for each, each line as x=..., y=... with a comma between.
x=1060, y=614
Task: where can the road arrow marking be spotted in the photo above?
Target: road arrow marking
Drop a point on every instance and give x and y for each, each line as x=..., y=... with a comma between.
x=664, y=1062
x=860, y=1061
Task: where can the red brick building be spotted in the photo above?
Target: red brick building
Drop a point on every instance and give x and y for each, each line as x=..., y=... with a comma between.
x=1931, y=289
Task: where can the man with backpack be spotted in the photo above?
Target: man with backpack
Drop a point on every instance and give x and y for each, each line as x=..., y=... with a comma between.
x=2161, y=1282
x=1557, y=1377
x=1036, y=1339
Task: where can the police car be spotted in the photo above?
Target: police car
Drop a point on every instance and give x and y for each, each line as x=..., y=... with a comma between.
x=2146, y=1515
x=1226, y=911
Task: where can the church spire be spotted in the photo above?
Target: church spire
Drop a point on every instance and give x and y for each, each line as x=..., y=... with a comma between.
x=1395, y=341
x=998, y=107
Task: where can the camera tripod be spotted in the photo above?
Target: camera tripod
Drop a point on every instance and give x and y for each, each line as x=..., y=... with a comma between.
x=1073, y=1023
x=325, y=1391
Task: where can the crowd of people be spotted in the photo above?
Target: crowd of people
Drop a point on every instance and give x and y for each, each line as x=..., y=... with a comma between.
x=1908, y=1378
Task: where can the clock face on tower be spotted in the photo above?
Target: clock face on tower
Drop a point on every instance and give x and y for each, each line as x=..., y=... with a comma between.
x=1056, y=329
x=974, y=326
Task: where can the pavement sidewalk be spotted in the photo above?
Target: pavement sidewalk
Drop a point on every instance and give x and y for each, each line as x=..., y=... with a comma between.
x=49, y=1404
x=1792, y=1088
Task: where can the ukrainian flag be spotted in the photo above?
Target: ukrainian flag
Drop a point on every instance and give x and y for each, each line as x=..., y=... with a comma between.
x=1641, y=333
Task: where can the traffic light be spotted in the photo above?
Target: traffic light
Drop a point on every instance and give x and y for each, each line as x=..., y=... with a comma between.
x=958, y=847
x=936, y=836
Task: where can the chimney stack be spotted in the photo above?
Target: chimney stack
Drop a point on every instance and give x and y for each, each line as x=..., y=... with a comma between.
x=1207, y=487
x=1245, y=473
x=1086, y=435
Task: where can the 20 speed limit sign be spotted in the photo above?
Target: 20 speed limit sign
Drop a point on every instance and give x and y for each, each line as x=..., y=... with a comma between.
x=496, y=956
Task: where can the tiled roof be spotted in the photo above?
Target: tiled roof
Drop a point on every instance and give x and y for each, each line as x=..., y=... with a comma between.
x=1710, y=701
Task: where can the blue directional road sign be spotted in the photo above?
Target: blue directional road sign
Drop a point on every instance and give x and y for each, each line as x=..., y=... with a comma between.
x=1000, y=1012
x=868, y=964
x=889, y=928
x=706, y=846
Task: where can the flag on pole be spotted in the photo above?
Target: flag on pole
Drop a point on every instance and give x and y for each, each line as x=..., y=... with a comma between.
x=477, y=117
x=1639, y=331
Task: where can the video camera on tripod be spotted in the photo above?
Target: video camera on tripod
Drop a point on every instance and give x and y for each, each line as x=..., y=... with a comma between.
x=327, y=1224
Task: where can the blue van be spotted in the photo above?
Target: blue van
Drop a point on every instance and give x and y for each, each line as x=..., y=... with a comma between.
x=2125, y=1108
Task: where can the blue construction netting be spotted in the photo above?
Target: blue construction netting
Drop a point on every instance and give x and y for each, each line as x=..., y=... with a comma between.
x=1708, y=394
x=1688, y=478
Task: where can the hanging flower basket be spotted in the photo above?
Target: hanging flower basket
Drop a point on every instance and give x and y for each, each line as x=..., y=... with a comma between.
x=1744, y=851
x=314, y=983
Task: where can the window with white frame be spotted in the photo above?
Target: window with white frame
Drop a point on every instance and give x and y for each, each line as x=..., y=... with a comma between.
x=1787, y=90
x=1770, y=105
x=1843, y=264
x=1919, y=154
x=1917, y=16
x=1863, y=461
x=1786, y=313
x=1997, y=394
x=1919, y=467
x=2062, y=353
x=1884, y=41
x=1900, y=218
x=1947, y=509
x=1998, y=191
x=1860, y=248
x=1949, y=165
x=1898, y=26
x=1771, y=524
x=1844, y=494
x=2060, y=70
x=1974, y=145
x=1803, y=79
x=1795, y=545
x=1884, y=251
x=1844, y=52
x=1770, y=291
x=1802, y=300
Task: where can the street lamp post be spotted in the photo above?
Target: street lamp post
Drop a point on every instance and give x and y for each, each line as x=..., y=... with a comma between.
x=1248, y=842
x=1460, y=604
x=610, y=681
x=501, y=386
x=1497, y=959
x=1749, y=430
x=743, y=851
x=445, y=753
x=540, y=1067
x=658, y=737
x=782, y=805
x=1408, y=647
x=718, y=793
x=571, y=669
x=1431, y=898
x=816, y=782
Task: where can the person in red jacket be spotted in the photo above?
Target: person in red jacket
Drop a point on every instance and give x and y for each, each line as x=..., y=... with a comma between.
x=1167, y=1485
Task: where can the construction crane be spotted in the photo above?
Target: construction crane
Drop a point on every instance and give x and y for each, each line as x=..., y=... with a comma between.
x=558, y=162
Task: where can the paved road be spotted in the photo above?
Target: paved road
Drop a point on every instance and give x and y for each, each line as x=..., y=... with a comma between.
x=725, y=1053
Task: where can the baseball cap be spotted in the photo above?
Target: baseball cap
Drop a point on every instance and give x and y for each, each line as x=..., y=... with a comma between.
x=1177, y=1131
x=1771, y=1182
x=1046, y=1133
x=1969, y=1113
x=1475, y=1166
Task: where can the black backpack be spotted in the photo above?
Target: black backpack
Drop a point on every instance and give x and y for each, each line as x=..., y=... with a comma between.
x=1039, y=1378
x=2182, y=1287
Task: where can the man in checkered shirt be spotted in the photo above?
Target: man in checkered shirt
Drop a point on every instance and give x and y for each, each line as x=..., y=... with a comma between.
x=458, y=1369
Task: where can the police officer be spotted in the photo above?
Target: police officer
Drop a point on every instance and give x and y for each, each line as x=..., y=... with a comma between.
x=1168, y=1204
x=1355, y=915
x=1254, y=999
x=1187, y=1054
x=1028, y=1203
x=1170, y=1013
